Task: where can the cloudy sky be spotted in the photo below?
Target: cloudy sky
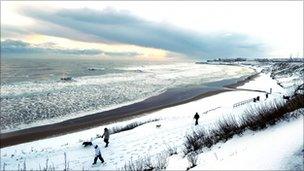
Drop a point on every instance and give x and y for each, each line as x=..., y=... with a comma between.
x=152, y=30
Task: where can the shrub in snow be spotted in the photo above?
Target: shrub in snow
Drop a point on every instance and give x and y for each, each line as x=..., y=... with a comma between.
x=254, y=119
x=161, y=161
x=197, y=140
x=141, y=164
x=171, y=150
x=158, y=162
x=296, y=102
x=225, y=129
x=192, y=142
x=260, y=118
x=192, y=158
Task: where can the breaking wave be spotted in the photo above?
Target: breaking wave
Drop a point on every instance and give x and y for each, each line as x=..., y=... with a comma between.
x=29, y=103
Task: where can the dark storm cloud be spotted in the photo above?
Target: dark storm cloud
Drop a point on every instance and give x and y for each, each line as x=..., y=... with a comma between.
x=19, y=47
x=113, y=26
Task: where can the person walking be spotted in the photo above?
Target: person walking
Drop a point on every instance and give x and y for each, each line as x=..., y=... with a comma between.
x=196, y=117
x=97, y=155
x=106, y=135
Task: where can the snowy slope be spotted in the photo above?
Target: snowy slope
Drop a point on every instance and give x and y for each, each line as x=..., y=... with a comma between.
x=271, y=149
x=145, y=140
x=265, y=84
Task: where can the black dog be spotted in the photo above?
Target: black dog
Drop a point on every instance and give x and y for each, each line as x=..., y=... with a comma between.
x=87, y=143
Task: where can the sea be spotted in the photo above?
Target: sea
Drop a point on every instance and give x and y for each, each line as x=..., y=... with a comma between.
x=42, y=91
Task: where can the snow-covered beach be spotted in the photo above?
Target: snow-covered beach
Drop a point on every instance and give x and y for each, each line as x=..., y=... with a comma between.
x=151, y=85
x=167, y=130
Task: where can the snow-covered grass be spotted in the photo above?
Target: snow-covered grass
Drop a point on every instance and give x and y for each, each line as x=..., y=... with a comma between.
x=158, y=162
x=155, y=145
x=269, y=149
x=253, y=119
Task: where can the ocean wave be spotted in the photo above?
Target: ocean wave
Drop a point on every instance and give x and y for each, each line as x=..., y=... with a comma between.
x=25, y=103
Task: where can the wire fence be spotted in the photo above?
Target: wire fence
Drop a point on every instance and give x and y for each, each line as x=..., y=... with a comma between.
x=210, y=110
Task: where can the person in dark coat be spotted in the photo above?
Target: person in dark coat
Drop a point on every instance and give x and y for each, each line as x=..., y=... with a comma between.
x=196, y=117
x=106, y=136
x=97, y=155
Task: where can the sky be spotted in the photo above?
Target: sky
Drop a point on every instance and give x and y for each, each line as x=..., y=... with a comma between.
x=159, y=30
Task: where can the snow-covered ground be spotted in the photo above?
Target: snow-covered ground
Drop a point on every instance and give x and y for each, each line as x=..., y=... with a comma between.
x=267, y=149
x=276, y=148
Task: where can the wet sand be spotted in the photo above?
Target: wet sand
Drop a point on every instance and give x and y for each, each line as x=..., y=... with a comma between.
x=169, y=98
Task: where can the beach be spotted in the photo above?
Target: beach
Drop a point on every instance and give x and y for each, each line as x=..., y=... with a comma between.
x=151, y=86
x=159, y=131
x=169, y=98
x=46, y=99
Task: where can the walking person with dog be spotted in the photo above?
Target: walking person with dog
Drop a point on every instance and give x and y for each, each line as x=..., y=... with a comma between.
x=106, y=135
x=196, y=117
x=98, y=155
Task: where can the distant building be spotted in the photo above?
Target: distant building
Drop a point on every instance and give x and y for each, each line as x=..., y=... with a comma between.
x=228, y=60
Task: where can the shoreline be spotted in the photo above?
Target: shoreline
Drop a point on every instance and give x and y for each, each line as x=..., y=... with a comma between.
x=155, y=103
